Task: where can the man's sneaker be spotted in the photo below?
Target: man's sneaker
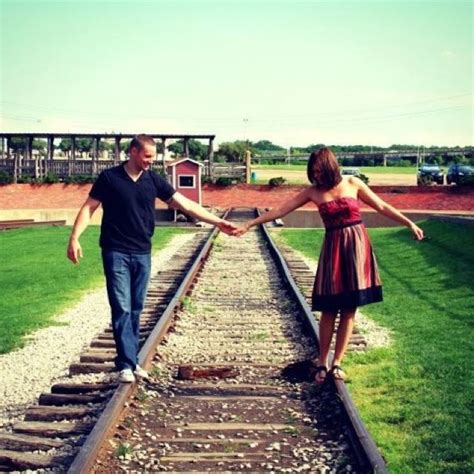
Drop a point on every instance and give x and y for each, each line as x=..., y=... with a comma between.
x=141, y=373
x=126, y=376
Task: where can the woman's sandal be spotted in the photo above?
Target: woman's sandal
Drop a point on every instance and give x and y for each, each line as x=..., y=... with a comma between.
x=337, y=373
x=318, y=378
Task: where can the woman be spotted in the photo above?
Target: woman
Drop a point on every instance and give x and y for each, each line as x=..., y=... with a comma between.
x=347, y=276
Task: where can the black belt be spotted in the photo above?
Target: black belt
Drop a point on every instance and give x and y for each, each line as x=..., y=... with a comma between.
x=342, y=226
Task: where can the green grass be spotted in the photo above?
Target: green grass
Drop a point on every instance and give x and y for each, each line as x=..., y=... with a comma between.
x=416, y=395
x=38, y=281
x=363, y=169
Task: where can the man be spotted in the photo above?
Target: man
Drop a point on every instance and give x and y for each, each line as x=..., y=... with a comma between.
x=127, y=193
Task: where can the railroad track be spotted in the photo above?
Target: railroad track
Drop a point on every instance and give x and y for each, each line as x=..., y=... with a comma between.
x=230, y=389
x=52, y=430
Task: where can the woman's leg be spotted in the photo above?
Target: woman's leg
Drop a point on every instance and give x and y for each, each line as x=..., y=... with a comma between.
x=343, y=335
x=326, y=329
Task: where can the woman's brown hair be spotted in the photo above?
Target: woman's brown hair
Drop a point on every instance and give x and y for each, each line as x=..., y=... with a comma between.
x=326, y=164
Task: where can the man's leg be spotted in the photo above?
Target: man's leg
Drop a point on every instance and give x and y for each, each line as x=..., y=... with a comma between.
x=117, y=274
x=140, y=276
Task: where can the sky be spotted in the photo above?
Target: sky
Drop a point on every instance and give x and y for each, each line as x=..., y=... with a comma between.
x=293, y=72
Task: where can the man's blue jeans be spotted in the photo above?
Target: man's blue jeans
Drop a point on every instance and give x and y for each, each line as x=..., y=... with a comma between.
x=127, y=276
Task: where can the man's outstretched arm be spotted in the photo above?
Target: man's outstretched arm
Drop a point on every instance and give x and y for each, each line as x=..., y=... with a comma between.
x=74, y=250
x=178, y=201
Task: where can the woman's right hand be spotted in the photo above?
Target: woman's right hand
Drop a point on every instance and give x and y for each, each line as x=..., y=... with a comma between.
x=417, y=232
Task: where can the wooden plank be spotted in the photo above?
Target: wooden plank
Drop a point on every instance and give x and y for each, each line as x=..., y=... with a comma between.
x=91, y=368
x=232, y=398
x=231, y=386
x=53, y=430
x=97, y=357
x=23, y=461
x=214, y=457
x=217, y=427
x=55, y=399
x=208, y=441
x=82, y=387
x=46, y=413
x=22, y=442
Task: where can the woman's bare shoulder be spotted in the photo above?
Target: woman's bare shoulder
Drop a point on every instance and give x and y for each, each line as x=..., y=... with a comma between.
x=354, y=181
x=312, y=193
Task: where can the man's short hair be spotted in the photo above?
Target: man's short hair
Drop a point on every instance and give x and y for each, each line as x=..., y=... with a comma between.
x=139, y=141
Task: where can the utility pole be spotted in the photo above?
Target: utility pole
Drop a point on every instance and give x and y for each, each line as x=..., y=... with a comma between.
x=246, y=121
x=247, y=157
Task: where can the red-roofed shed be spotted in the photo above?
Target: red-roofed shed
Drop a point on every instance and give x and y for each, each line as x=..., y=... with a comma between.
x=185, y=176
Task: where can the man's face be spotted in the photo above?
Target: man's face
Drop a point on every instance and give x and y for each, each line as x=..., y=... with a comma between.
x=143, y=157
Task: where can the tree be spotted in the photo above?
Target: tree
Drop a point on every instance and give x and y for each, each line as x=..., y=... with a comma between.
x=40, y=146
x=232, y=151
x=460, y=159
x=84, y=145
x=197, y=150
x=18, y=144
x=106, y=146
x=266, y=145
x=435, y=160
x=125, y=146
x=65, y=145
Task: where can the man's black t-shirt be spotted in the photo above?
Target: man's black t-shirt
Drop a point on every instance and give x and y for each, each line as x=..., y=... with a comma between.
x=128, y=222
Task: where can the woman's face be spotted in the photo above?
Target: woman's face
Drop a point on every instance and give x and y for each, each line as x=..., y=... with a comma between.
x=317, y=174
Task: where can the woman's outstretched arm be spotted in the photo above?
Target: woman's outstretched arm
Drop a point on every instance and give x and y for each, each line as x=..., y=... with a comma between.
x=299, y=200
x=374, y=201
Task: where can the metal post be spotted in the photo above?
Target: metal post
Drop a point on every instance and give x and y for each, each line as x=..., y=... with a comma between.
x=117, y=151
x=163, y=159
x=186, y=147
x=50, y=154
x=210, y=157
x=72, y=161
x=248, y=156
x=95, y=151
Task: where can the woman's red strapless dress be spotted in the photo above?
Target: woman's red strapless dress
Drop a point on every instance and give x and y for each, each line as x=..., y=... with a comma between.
x=347, y=274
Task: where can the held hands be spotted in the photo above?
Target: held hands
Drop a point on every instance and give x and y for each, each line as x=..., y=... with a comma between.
x=231, y=229
x=227, y=227
x=241, y=230
x=417, y=232
x=74, y=251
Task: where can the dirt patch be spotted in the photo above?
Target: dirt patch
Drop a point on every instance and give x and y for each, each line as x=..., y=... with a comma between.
x=375, y=179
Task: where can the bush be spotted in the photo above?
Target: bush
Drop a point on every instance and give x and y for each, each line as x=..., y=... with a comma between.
x=226, y=181
x=466, y=180
x=5, y=178
x=222, y=181
x=79, y=179
x=162, y=173
x=277, y=181
x=206, y=179
x=425, y=181
x=50, y=178
x=25, y=180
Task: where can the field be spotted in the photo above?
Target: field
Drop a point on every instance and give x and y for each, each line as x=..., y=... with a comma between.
x=38, y=281
x=378, y=175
